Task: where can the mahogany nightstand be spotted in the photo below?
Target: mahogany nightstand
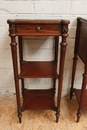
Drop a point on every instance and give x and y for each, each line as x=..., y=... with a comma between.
x=38, y=99
x=80, y=50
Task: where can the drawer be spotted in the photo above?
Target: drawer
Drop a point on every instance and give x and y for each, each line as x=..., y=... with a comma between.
x=38, y=29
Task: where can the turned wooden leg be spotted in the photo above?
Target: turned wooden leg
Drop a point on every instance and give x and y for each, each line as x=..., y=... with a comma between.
x=61, y=69
x=73, y=74
x=21, y=60
x=57, y=114
x=15, y=67
x=19, y=115
x=22, y=87
x=82, y=93
x=78, y=114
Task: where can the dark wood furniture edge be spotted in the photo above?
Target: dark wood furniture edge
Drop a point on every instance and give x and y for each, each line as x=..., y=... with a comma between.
x=26, y=21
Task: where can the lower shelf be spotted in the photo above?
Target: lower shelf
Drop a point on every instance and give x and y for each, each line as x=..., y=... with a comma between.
x=38, y=99
x=78, y=95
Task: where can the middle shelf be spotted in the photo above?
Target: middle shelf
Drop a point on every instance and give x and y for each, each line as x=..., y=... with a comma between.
x=38, y=69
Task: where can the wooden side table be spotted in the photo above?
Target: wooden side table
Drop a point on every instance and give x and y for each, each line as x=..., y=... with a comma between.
x=38, y=99
x=81, y=51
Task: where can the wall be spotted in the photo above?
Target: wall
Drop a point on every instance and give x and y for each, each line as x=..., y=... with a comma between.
x=38, y=9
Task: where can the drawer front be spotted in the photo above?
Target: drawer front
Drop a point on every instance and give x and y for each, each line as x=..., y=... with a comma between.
x=38, y=30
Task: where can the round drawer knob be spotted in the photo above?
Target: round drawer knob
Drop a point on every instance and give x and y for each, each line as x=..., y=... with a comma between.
x=38, y=28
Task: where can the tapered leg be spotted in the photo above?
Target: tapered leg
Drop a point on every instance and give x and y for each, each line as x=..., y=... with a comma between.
x=21, y=60
x=83, y=90
x=56, y=60
x=54, y=84
x=78, y=114
x=15, y=66
x=61, y=68
x=73, y=74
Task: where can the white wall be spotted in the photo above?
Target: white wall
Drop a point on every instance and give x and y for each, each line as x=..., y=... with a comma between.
x=38, y=9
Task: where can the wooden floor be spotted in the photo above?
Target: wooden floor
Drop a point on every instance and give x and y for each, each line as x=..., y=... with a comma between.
x=41, y=120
